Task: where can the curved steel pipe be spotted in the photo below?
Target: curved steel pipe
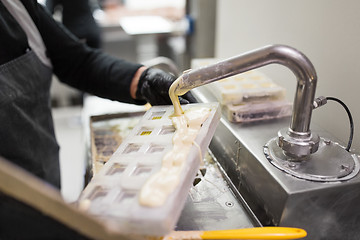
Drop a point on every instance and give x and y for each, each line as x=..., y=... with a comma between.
x=297, y=62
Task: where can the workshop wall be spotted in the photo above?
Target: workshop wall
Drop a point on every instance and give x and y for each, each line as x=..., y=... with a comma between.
x=326, y=31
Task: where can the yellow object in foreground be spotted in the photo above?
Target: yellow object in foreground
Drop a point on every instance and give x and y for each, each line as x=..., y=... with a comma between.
x=256, y=233
x=246, y=233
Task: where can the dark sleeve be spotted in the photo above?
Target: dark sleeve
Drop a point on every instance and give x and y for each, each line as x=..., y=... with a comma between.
x=10, y=33
x=79, y=66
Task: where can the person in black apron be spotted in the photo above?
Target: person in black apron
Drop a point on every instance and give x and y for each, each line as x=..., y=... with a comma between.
x=33, y=47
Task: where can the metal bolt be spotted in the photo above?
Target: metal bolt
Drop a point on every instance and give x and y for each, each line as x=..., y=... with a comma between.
x=345, y=167
x=229, y=204
x=292, y=164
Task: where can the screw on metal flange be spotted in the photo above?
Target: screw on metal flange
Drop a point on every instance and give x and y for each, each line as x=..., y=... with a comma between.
x=292, y=164
x=345, y=167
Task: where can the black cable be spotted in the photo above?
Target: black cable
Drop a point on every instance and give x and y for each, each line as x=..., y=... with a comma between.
x=350, y=119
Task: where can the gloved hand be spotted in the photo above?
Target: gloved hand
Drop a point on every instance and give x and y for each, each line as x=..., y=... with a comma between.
x=154, y=87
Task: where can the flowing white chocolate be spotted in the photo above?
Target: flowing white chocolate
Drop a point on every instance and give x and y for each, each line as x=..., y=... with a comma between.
x=175, y=98
x=157, y=189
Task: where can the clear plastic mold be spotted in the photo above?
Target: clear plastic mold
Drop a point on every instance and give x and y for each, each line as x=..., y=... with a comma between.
x=112, y=195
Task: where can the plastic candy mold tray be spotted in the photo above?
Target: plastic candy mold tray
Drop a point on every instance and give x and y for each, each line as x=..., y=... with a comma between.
x=112, y=195
x=252, y=86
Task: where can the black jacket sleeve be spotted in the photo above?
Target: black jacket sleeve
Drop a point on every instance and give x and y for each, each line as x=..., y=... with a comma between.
x=78, y=65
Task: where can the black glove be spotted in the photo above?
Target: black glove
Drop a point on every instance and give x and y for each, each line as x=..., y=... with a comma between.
x=154, y=87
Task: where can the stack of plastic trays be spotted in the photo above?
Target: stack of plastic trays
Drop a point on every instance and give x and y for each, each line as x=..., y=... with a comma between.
x=112, y=195
x=250, y=112
x=249, y=96
x=252, y=86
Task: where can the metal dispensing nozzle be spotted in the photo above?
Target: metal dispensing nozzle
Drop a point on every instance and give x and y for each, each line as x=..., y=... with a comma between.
x=296, y=141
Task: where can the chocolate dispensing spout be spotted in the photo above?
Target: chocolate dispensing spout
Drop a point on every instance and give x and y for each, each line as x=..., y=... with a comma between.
x=297, y=140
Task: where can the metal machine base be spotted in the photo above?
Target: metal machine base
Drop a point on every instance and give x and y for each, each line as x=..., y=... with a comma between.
x=330, y=163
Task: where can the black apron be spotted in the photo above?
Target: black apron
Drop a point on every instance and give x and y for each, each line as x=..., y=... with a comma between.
x=27, y=135
x=27, y=138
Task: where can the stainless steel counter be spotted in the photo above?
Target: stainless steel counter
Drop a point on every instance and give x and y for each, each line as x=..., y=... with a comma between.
x=214, y=203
